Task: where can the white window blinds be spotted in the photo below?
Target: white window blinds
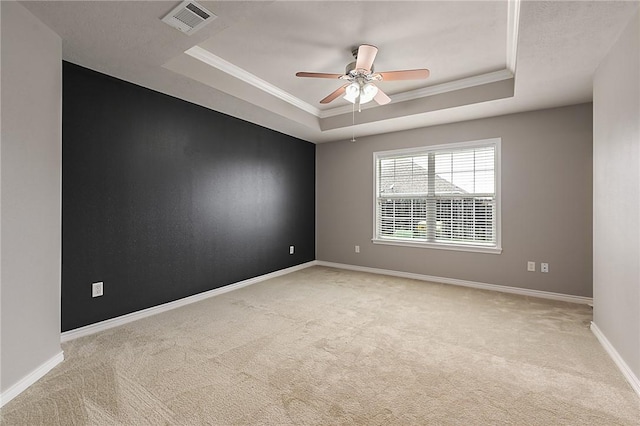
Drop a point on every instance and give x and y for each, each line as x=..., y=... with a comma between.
x=438, y=195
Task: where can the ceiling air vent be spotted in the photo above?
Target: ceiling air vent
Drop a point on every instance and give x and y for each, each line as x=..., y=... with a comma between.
x=189, y=17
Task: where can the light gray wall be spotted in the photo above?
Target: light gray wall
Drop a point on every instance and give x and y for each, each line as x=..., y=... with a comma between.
x=546, y=202
x=30, y=193
x=616, y=199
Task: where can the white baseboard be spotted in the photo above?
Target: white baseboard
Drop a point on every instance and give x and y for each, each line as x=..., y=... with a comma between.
x=463, y=283
x=34, y=376
x=617, y=359
x=124, y=319
x=30, y=379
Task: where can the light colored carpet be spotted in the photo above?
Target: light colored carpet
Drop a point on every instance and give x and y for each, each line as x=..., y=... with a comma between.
x=326, y=346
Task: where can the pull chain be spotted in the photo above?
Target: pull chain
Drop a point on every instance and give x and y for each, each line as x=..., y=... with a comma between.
x=353, y=122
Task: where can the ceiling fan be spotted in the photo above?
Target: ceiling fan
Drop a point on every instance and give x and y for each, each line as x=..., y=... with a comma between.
x=360, y=87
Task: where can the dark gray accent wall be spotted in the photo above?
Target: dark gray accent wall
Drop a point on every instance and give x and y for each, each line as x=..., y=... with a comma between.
x=163, y=199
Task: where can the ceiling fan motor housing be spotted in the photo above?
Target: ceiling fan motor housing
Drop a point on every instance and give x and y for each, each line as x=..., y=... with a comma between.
x=351, y=67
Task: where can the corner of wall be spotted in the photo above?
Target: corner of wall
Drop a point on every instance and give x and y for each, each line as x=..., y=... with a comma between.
x=616, y=182
x=30, y=199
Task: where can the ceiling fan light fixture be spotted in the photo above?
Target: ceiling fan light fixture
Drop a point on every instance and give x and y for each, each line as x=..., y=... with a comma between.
x=369, y=91
x=366, y=92
x=352, y=92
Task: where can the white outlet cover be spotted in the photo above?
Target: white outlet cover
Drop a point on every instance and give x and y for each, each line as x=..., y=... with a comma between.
x=97, y=289
x=291, y=249
x=531, y=266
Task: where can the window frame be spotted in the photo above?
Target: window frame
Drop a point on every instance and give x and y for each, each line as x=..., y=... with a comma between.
x=467, y=247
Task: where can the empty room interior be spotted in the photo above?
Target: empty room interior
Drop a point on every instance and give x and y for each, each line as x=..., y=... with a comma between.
x=320, y=212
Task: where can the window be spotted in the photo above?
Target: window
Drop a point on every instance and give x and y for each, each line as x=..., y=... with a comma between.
x=444, y=196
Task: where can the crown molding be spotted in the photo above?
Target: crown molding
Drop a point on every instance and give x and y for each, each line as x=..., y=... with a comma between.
x=217, y=62
x=450, y=86
x=513, y=19
x=513, y=23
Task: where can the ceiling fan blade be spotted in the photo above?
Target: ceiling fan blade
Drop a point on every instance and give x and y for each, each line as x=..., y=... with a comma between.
x=405, y=75
x=366, y=55
x=336, y=93
x=381, y=98
x=317, y=75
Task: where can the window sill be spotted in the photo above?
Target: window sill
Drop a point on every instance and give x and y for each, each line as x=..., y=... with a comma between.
x=438, y=246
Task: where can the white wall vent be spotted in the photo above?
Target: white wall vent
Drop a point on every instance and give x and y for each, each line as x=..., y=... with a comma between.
x=189, y=17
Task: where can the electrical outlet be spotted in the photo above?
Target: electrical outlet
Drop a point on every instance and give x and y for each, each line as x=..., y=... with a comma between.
x=97, y=289
x=291, y=249
x=544, y=267
x=357, y=249
x=531, y=266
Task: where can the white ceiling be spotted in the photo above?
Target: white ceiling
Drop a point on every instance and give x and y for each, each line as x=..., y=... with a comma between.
x=486, y=58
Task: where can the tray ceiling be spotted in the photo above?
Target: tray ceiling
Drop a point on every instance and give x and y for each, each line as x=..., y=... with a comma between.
x=486, y=58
